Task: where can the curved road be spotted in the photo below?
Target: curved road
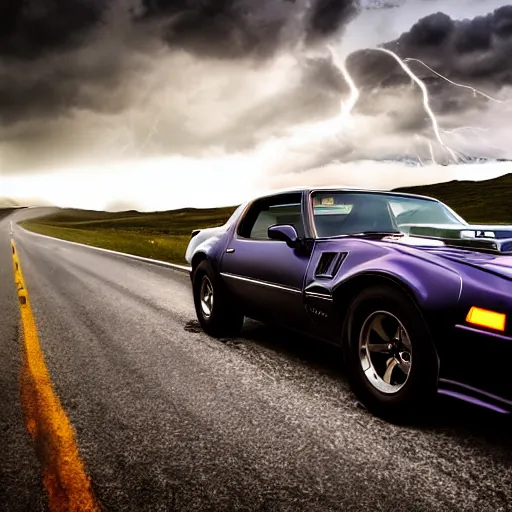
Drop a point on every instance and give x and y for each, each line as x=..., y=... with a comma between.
x=167, y=418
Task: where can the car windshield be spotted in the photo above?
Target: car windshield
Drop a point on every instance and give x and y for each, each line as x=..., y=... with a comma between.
x=346, y=213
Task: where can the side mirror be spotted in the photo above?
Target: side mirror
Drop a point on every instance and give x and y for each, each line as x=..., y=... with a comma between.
x=285, y=233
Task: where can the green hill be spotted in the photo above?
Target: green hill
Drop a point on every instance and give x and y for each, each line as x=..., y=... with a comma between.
x=158, y=235
x=483, y=202
x=165, y=235
x=172, y=222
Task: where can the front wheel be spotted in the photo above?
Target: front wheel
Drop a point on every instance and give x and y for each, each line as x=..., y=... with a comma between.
x=391, y=361
x=215, y=308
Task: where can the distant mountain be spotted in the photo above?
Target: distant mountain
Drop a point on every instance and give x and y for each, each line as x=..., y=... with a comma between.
x=463, y=160
x=481, y=160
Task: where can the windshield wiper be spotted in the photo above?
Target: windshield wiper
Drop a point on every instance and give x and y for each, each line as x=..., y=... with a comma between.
x=369, y=234
x=376, y=234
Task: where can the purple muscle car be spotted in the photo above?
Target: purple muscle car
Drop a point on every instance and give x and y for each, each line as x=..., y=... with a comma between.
x=418, y=299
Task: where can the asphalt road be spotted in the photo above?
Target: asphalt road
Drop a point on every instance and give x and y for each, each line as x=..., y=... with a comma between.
x=167, y=418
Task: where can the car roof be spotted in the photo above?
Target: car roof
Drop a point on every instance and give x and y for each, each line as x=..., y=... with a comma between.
x=335, y=188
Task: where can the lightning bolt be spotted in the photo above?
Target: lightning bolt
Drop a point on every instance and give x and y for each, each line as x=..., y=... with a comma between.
x=426, y=99
x=432, y=152
x=348, y=106
x=475, y=91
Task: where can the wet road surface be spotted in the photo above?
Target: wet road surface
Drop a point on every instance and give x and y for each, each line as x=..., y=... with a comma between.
x=167, y=418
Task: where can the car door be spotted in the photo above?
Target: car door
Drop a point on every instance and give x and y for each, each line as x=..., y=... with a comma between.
x=267, y=276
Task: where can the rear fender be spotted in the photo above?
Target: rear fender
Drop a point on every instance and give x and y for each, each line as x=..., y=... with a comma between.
x=208, y=243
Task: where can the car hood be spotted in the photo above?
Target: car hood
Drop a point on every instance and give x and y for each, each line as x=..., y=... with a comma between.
x=496, y=238
x=497, y=264
x=500, y=264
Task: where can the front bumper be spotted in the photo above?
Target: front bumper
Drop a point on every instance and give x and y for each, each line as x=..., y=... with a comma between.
x=475, y=366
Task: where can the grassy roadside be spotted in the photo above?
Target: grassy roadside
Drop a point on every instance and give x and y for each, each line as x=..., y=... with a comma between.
x=158, y=247
x=165, y=235
x=158, y=235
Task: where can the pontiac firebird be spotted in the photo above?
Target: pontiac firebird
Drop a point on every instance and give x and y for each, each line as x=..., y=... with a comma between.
x=418, y=299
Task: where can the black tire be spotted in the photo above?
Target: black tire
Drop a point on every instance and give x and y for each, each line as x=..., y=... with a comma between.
x=418, y=390
x=225, y=319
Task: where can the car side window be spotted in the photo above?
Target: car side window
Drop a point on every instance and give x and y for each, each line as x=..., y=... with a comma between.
x=285, y=209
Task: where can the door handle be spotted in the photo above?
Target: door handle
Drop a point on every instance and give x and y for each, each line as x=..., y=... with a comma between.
x=230, y=250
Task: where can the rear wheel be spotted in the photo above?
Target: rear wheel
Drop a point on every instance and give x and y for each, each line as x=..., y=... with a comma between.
x=391, y=361
x=215, y=309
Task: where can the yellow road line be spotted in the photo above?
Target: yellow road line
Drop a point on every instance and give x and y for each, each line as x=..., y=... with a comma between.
x=64, y=476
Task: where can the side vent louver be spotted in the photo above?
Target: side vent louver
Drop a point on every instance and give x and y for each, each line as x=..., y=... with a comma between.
x=329, y=264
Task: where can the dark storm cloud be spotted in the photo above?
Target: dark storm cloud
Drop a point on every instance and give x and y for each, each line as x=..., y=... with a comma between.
x=233, y=28
x=222, y=27
x=327, y=16
x=59, y=55
x=69, y=67
x=29, y=28
x=473, y=50
x=464, y=36
x=160, y=77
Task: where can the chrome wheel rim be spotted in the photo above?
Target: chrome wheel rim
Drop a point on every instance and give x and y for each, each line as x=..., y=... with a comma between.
x=206, y=297
x=385, y=352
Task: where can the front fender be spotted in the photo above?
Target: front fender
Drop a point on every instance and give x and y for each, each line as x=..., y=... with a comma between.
x=434, y=287
x=433, y=283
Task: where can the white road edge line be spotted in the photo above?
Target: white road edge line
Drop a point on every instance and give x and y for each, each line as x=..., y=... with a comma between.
x=175, y=266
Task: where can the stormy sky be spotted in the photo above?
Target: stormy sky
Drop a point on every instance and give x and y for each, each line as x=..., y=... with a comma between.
x=147, y=92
